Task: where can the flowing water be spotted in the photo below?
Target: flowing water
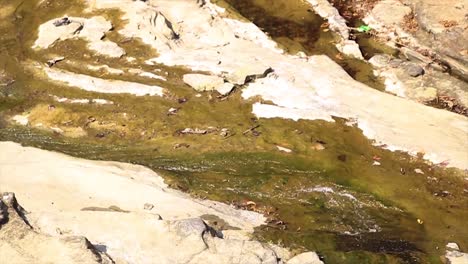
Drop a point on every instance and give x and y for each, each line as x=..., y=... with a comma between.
x=333, y=201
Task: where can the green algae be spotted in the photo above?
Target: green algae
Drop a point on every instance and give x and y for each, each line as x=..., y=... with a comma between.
x=389, y=198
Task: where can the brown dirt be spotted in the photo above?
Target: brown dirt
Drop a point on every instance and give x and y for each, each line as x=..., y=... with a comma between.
x=450, y=104
x=410, y=23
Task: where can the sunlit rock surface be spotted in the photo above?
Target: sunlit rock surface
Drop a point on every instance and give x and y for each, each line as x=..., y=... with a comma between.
x=108, y=203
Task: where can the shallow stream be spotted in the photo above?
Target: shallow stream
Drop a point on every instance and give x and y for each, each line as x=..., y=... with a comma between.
x=328, y=195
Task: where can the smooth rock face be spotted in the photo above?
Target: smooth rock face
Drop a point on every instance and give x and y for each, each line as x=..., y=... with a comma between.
x=49, y=33
x=431, y=13
x=305, y=258
x=390, y=12
x=94, y=84
x=107, y=48
x=94, y=28
x=19, y=243
x=90, y=29
x=225, y=89
x=202, y=82
x=105, y=201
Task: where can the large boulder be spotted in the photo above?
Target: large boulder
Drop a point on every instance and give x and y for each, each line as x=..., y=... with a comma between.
x=92, y=30
x=20, y=243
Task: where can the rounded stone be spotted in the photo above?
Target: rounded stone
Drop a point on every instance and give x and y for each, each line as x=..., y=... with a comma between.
x=413, y=69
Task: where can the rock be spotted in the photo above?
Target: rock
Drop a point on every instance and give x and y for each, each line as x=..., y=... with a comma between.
x=454, y=256
x=146, y=74
x=20, y=243
x=106, y=69
x=21, y=119
x=387, y=12
x=107, y=48
x=53, y=61
x=452, y=246
x=95, y=84
x=394, y=63
x=188, y=227
x=350, y=48
x=224, y=132
x=418, y=171
x=152, y=76
x=57, y=130
x=425, y=94
x=95, y=28
x=195, y=131
x=413, y=69
x=399, y=82
x=380, y=60
x=148, y=206
x=432, y=13
x=138, y=236
x=337, y=24
x=244, y=74
x=318, y=146
x=49, y=33
x=172, y=111
x=305, y=258
x=177, y=241
x=62, y=21
x=90, y=29
x=202, y=82
x=457, y=68
x=283, y=149
x=82, y=101
x=440, y=35
x=225, y=88
x=235, y=251
x=163, y=26
x=415, y=56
